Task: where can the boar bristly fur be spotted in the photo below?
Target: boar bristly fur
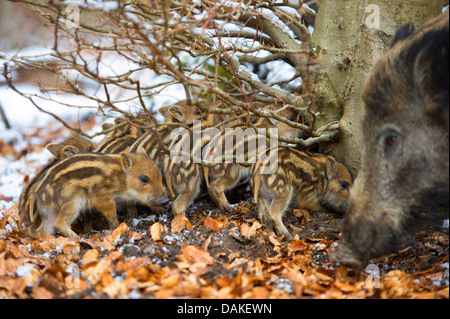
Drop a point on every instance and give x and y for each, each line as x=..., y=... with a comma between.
x=403, y=183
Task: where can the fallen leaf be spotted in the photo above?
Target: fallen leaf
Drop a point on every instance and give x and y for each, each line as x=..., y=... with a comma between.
x=90, y=256
x=302, y=213
x=41, y=293
x=206, y=243
x=245, y=230
x=296, y=245
x=213, y=224
x=6, y=199
x=180, y=222
x=116, y=237
x=195, y=254
x=95, y=273
x=156, y=231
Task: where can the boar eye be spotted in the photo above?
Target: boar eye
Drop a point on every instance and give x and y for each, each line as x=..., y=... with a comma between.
x=144, y=179
x=197, y=112
x=391, y=140
x=344, y=185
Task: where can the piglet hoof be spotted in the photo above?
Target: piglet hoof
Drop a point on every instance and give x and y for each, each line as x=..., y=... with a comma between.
x=68, y=233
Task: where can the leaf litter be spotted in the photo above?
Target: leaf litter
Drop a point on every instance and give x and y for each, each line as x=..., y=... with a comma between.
x=209, y=254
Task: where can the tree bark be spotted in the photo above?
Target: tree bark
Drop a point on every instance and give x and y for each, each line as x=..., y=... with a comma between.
x=351, y=42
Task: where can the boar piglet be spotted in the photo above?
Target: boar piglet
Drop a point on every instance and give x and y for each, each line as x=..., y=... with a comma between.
x=61, y=150
x=87, y=181
x=225, y=176
x=303, y=180
x=187, y=113
x=70, y=146
x=402, y=185
x=182, y=179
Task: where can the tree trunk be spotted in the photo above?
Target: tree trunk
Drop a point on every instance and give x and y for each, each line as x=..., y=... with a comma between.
x=352, y=36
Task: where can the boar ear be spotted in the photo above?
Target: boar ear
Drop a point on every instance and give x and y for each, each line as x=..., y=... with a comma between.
x=431, y=70
x=70, y=150
x=402, y=33
x=163, y=110
x=126, y=161
x=331, y=167
x=54, y=149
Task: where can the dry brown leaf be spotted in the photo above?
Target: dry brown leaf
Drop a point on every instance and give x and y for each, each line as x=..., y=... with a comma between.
x=41, y=293
x=95, y=273
x=67, y=245
x=156, y=231
x=213, y=224
x=206, y=243
x=90, y=256
x=195, y=254
x=245, y=230
x=112, y=240
x=296, y=245
x=180, y=222
x=274, y=241
x=116, y=289
x=248, y=231
x=302, y=213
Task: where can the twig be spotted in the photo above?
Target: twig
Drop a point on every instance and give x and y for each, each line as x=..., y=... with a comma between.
x=4, y=118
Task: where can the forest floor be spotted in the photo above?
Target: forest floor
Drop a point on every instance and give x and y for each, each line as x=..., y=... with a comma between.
x=211, y=254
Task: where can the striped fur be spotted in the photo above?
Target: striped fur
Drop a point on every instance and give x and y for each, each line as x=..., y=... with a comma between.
x=181, y=179
x=70, y=146
x=90, y=181
x=304, y=180
x=119, y=139
x=226, y=176
x=66, y=148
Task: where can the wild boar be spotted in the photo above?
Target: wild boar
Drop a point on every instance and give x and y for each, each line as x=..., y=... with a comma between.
x=403, y=183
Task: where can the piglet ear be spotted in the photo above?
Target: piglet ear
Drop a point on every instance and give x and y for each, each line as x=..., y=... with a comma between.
x=176, y=112
x=54, y=149
x=70, y=150
x=163, y=110
x=126, y=161
x=331, y=167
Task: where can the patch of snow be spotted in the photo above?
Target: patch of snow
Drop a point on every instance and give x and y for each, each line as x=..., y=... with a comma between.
x=23, y=271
